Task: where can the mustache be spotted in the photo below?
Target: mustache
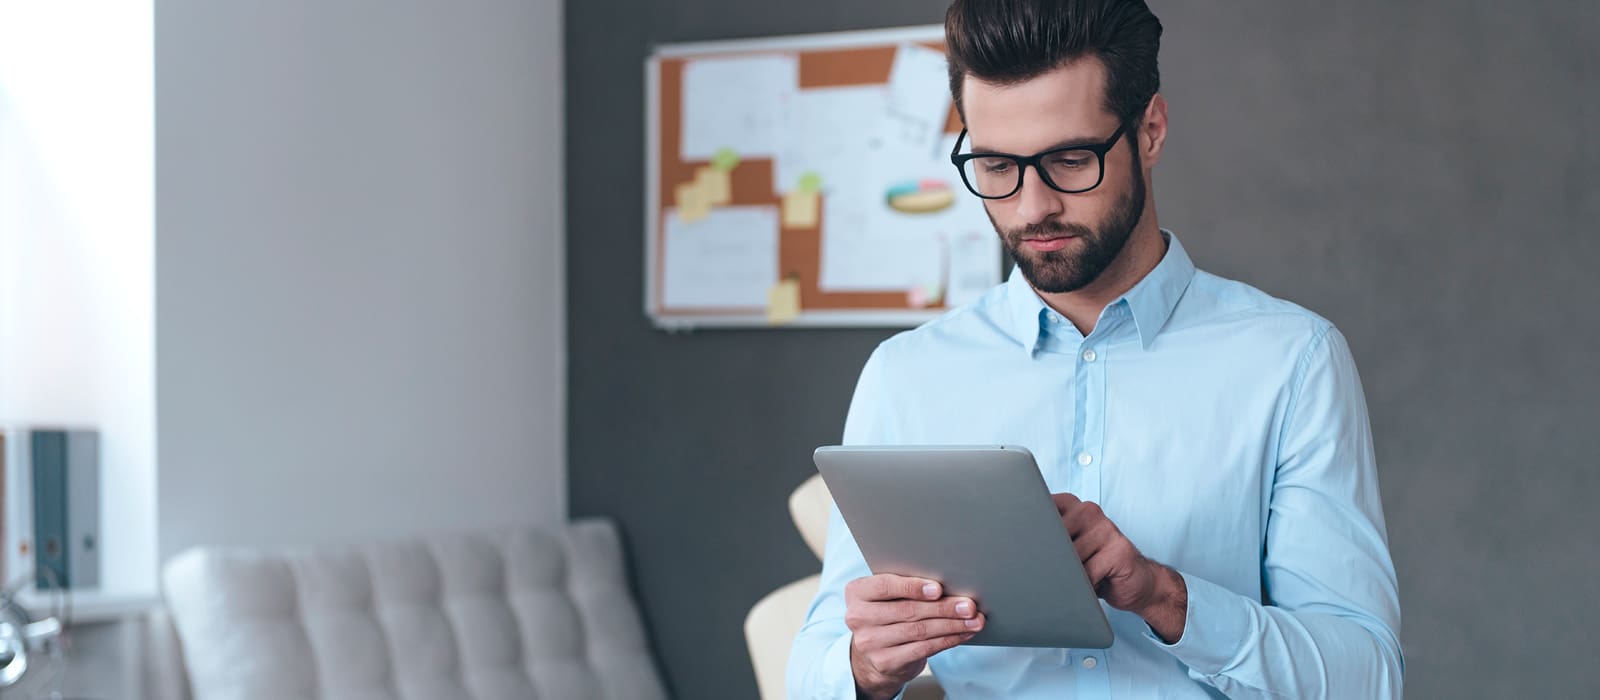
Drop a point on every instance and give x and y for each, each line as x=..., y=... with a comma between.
x=1047, y=229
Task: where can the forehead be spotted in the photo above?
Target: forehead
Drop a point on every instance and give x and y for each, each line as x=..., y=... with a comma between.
x=1066, y=103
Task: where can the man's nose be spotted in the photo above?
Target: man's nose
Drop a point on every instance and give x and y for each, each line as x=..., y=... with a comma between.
x=1036, y=201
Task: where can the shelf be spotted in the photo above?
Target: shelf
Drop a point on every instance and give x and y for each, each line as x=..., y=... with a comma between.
x=91, y=606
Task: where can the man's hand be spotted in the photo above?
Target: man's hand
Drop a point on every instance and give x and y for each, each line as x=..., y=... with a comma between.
x=896, y=623
x=1122, y=576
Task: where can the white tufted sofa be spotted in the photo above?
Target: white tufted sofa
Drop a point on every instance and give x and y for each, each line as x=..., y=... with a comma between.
x=536, y=614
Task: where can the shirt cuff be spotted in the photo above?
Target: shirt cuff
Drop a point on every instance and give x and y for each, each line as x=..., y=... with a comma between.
x=1215, y=627
x=841, y=679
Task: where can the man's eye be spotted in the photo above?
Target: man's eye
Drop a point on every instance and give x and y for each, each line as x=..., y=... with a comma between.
x=1069, y=162
x=995, y=165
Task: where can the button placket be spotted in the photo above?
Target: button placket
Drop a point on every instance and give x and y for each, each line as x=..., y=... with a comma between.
x=1090, y=666
x=1089, y=431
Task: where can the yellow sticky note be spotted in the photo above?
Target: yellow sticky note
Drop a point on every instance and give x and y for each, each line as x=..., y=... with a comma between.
x=692, y=202
x=716, y=185
x=783, y=302
x=800, y=209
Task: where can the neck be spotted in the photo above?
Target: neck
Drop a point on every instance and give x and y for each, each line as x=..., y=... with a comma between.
x=1139, y=256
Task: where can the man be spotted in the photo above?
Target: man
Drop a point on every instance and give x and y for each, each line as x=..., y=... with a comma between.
x=1207, y=444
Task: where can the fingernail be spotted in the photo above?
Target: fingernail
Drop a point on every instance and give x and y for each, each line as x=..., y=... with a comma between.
x=972, y=622
x=964, y=607
x=930, y=590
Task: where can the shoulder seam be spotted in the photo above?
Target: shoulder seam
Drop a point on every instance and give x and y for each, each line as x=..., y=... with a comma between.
x=1298, y=380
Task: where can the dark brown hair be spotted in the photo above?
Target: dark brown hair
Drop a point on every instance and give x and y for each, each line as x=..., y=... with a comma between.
x=1011, y=41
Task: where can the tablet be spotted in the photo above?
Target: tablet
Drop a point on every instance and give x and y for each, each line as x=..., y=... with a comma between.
x=978, y=519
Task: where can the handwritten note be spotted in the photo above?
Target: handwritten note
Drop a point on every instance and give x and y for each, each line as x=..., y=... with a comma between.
x=919, y=97
x=736, y=103
x=727, y=258
x=974, y=266
x=830, y=132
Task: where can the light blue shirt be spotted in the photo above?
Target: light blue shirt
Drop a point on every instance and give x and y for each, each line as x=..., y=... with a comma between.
x=1222, y=430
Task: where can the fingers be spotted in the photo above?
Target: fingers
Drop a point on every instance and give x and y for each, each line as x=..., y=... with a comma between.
x=1098, y=567
x=1082, y=516
x=1094, y=537
x=1097, y=541
x=897, y=622
x=1064, y=502
x=868, y=613
x=881, y=587
x=1121, y=576
x=910, y=653
x=1103, y=549
x=902, y=633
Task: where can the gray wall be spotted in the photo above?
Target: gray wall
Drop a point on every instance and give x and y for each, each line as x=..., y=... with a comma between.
x=360, y=293
x=1422, y=173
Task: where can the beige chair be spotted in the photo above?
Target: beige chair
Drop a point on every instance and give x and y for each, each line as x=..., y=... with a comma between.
x=771, y=626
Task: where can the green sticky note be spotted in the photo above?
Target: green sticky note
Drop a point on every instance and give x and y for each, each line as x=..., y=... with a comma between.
x=810, y=182
x=725, y=159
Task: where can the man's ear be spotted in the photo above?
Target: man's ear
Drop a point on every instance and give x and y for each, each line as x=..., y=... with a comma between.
x=1153, y=130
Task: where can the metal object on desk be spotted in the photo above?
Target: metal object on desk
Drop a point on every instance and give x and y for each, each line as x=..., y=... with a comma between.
x=21, y=637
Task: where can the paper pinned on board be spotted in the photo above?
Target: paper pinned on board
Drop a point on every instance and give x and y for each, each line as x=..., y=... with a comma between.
x=869, y=246
x=693, y=204
x=726, y=259
x=866, y=247
x=715, y=184
x=783, y=302
x=736, y=103
x=800, y=209
x=974, y=266
x=918, y=97
x=890, y=263
x=829, y=132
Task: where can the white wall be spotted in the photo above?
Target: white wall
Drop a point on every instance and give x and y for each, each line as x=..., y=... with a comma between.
x=359, y=276
x=76, y=240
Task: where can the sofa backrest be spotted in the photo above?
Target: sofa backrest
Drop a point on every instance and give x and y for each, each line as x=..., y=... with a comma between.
x=539, y=614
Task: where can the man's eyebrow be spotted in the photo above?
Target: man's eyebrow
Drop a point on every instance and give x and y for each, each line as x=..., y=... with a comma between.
x=1072, y=142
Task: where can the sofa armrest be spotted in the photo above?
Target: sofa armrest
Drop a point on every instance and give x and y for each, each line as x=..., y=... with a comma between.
x=164, y=672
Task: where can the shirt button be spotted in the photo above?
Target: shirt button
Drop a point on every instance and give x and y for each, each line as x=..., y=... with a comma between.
x=1054, y=318
x=1084, y=458
x=1089, y=662
x=1088, y=356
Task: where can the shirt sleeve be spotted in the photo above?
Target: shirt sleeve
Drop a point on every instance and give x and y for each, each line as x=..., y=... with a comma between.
x=1330, y=628
x=819, y=662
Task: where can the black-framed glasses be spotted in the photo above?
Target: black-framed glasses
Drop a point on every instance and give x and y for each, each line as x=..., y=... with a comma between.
x=1071, y=169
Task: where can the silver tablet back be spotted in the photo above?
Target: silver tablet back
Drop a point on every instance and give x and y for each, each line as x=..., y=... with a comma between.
x=980, y=520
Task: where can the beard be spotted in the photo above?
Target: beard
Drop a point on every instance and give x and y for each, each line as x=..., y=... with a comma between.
x=1061, y=271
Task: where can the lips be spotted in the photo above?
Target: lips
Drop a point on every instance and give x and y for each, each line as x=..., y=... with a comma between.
x=1045, y=245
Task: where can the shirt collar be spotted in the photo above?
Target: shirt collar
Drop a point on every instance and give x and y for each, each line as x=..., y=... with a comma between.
x=1151, y=300
x=1154, y=297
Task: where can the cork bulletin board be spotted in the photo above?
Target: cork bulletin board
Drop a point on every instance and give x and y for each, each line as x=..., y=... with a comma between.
x=805, y=181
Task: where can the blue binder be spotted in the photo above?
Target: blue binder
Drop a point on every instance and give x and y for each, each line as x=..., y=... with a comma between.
x=66, y=508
